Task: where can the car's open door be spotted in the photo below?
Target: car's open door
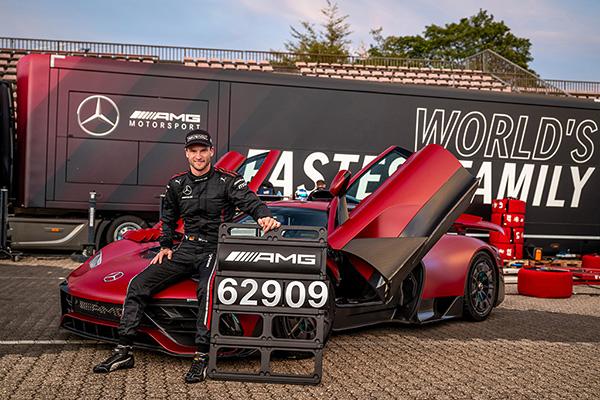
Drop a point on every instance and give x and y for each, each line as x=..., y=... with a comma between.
x=404, y=204
x=254, y=169
x=257, y=167
x=232, y=160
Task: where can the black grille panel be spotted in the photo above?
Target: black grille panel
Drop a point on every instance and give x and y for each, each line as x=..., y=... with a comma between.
x=96, y=331
x=105, y=311
x=105, y=333
x=176, y=319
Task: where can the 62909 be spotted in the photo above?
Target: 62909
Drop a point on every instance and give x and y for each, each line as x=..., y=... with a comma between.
x=272, y=293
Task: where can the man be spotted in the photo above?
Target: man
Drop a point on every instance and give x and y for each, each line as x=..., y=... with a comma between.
x=320, y=191
x=204, y=197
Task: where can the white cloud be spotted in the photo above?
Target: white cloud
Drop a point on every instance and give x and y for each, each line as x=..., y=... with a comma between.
x=286, y=9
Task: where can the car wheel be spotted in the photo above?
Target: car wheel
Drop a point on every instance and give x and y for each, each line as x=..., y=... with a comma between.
x=305, y=328
x=480, y=288
x=120, y=225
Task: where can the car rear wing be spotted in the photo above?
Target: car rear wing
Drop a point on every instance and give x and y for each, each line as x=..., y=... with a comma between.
x=270, y=279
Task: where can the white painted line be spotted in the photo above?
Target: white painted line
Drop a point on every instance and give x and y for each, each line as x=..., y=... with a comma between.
x=59, y=342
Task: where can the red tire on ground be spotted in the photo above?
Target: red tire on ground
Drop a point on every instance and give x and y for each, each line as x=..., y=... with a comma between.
x=546, y=284
x=590, y=261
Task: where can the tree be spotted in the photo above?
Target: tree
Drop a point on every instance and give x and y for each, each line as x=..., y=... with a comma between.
x=333, y=39
x=456, y=41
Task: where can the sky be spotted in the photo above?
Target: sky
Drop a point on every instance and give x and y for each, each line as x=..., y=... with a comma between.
x=565, y=35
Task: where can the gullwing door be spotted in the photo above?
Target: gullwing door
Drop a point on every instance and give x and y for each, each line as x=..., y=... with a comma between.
x=404, y=204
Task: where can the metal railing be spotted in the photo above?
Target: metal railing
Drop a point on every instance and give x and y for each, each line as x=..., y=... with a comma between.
x=178, y=54
x=579, y=87
x=519, y=79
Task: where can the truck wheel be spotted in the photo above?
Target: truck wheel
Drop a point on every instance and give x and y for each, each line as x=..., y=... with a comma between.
x=122, y=224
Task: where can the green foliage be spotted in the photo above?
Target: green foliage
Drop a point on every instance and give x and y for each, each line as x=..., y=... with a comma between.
x=331, y=40
x=456, y=41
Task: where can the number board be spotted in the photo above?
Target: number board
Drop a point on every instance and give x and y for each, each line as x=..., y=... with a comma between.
x=271, y=292
x=279, y=275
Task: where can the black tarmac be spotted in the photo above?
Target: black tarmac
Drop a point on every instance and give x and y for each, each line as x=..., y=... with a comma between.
x=528, y=349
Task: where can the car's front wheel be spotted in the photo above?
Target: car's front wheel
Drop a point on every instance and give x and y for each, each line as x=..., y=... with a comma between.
x=480, y=288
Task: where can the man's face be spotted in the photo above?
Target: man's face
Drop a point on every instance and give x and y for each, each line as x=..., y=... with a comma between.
x=199, y=157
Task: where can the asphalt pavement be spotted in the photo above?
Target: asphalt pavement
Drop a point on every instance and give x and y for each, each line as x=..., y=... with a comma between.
x=528, y=349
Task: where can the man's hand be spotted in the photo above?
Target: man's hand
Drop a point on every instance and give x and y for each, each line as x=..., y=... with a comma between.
x=159, y=257
x=268, y=223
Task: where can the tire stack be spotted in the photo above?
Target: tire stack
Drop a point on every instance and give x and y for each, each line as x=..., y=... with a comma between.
x=510, y=215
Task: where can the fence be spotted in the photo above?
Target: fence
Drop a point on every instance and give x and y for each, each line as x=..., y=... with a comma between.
x=581, y=87
x=518, y=78
x=178, y=54
x=487, y=61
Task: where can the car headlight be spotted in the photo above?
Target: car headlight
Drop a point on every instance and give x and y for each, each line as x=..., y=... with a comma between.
x=96, y=260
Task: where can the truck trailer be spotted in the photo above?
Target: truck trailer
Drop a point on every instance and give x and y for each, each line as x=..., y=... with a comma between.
x=117, y=128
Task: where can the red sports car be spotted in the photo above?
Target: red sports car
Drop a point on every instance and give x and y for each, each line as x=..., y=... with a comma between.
x=397, y=251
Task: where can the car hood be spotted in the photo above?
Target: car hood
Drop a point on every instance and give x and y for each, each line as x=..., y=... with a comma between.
x=120, y=262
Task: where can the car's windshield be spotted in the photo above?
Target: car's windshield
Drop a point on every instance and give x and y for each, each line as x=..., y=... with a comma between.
x=293, y=216
x=376, y=175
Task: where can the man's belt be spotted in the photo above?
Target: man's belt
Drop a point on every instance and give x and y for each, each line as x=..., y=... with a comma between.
x=195, y=238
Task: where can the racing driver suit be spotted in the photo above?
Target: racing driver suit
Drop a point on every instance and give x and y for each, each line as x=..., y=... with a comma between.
x=203, y=202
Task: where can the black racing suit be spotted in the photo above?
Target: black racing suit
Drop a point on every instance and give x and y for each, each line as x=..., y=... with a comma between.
x=204, y=202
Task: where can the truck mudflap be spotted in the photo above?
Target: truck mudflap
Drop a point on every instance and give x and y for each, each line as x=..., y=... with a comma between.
x=269, y=285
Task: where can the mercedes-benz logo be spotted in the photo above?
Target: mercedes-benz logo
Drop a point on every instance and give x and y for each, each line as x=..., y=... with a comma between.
x=113, y=276
x=105, y=118
x=187, y=190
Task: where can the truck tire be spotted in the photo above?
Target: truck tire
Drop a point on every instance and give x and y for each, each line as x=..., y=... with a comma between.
x=122, y=224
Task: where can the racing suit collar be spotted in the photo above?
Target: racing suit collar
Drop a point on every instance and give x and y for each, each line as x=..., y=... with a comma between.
x=201, y=178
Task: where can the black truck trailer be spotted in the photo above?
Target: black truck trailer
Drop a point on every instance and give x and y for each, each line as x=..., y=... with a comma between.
x=117, y=128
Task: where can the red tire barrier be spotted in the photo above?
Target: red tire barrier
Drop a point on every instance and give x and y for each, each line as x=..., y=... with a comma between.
x=503, y=206
x=590, y=261
x=546, y=284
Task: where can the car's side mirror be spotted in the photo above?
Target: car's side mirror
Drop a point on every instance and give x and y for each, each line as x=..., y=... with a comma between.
x=338, y=189
x=339, y=185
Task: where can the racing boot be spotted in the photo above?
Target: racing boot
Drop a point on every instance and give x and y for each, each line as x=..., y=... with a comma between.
x=198, y=370
x=121, y=358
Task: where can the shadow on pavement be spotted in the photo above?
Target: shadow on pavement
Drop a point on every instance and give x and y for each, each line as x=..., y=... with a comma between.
x=503, y=324
x=29, y=310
